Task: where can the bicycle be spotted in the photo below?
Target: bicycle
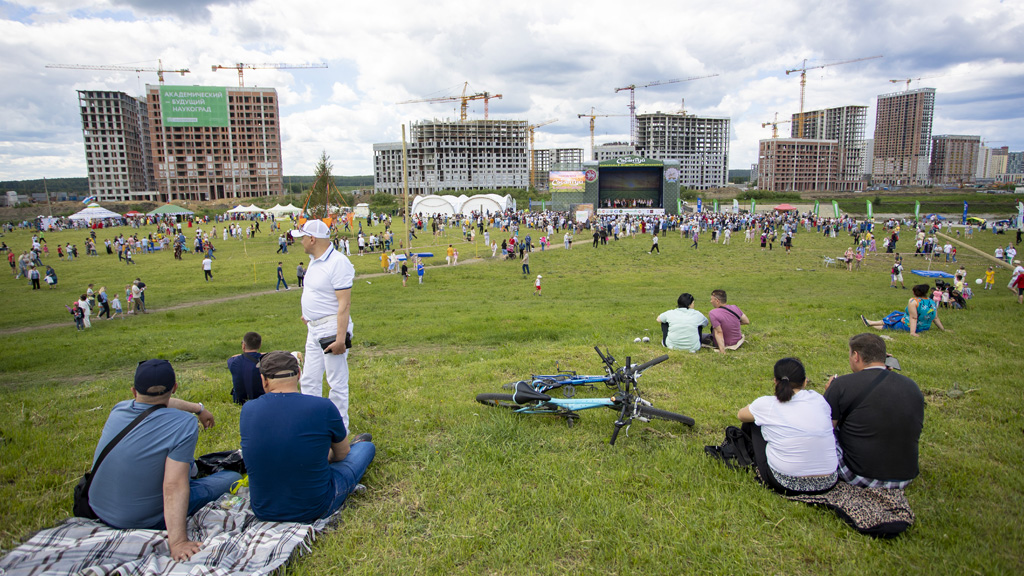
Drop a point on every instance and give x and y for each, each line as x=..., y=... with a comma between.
x=566, y=381
x=627, y=398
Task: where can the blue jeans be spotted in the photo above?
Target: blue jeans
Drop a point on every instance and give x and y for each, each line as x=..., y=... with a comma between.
x=348, y=472
x=204, y=490
x=279, y=282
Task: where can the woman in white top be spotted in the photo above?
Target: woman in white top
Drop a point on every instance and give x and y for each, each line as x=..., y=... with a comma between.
x=791, y=433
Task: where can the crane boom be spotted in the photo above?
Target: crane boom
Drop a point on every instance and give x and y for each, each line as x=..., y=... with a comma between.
x=240, y=66
x=775, y=125
x=803, y=83
x=463, y=98
x=592, y=116
x=531, y=128
x=159, y=69
x=632, y=98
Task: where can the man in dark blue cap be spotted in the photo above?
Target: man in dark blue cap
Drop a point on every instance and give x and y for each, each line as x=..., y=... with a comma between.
x=144, y=482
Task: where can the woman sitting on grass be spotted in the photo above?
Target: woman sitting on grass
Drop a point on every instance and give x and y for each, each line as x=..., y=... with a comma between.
x=791, y=434
x=919, y=316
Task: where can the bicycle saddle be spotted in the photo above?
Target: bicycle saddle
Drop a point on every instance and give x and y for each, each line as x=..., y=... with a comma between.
x=525, y=394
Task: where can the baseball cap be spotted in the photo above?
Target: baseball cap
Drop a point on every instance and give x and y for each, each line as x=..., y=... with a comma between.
x=314, y=228
x=154, y=377
x=278, y=364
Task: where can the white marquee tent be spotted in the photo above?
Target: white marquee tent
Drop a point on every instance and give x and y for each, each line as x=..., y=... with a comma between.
x=451, y=205
x=94, y=212
x=283, y=210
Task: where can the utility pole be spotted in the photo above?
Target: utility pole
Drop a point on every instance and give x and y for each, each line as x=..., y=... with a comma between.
x=48, y=205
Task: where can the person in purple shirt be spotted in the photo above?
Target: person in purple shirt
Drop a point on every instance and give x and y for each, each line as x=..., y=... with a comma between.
x=726, y=320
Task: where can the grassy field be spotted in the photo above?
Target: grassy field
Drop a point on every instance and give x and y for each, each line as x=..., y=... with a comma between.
x=458, y=487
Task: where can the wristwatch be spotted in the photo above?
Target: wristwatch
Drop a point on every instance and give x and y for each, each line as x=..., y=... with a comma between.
x=201, y=408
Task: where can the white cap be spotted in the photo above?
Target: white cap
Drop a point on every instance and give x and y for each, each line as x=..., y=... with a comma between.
x=538, y=276
x=314, y=228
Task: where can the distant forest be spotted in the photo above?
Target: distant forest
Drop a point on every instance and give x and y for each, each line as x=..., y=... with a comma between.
x=80, y=186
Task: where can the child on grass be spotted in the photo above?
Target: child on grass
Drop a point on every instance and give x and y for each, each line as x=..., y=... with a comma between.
x=990, y=278
x=419, y=269
x=537, y=285
x=115, y=305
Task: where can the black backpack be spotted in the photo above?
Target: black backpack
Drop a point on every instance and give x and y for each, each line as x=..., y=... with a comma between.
x=736, y=451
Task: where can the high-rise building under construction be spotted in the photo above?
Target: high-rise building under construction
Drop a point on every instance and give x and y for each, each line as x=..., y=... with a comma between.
x=182, y=143
x=211, y=143
x=954, y=159
x=903, y=137
x=115, y=127
x=845, y=125
x=700, y=144
x=456, y=155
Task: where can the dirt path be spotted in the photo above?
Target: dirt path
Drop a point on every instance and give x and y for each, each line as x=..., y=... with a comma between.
x=184, y=305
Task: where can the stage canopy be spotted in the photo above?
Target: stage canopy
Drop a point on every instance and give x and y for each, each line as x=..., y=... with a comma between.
x=94, y=212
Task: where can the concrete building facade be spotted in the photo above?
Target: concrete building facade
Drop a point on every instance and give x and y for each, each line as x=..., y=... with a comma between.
x=699, y=144
x=115, y=127
x=236, y=154
x=547, y=160
x=954, y=160
x=798, y=164
x=613, y=150
x=903, y=132
x=451, y=155
x=845, y=125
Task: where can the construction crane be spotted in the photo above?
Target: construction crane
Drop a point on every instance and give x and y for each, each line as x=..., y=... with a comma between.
x=632, y=99
x=463, y=99
x=775, y=125
x=592, y=116
x=803, y=84
x=159, y=69
x=242, y=66
x=909, y=80
x=531, y=128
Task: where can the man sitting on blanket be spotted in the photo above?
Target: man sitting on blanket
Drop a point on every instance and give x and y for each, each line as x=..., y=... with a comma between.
x=878, y=415
x=144, y=481
x=726, y=320
x=300, y=462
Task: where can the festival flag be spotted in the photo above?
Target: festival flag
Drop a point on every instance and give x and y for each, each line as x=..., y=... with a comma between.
x=964, y=219
x=815, y=208
x=753, y=206
x=735, y=206
x=1020, y=214
x=716, y=206
x=870, y=212
x=679, y=205
x=835, y=209
x=89, y=199
x=700, y=205
x=917, y=210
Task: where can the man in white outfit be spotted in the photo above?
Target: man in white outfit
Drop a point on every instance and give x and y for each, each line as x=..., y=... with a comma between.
x=326, y=296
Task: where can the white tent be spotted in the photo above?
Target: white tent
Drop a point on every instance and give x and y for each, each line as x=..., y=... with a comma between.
x=434, y=204
x=245, y=209
x=94, y=212
x=281, y=210
x=487, y=203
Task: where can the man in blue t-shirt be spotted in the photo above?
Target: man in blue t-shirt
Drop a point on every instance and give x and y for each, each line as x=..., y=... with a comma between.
x=285, y=436
x=245, y=376
x=144, y=481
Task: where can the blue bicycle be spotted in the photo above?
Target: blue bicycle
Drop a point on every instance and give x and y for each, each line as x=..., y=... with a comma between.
x=526, y=399
x=565, y=381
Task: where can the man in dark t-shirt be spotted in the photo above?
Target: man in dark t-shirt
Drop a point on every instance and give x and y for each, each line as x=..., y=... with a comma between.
x=297, y=452
x=878, y=416
x=245, y=376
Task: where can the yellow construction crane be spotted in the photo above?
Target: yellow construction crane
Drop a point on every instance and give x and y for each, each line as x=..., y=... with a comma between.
x=159, y=69
x=592, y=116
x=242, y=66
x=632, y=100
x=463, y=99
x=775, y=125
x=803, y=84
x=531, y=128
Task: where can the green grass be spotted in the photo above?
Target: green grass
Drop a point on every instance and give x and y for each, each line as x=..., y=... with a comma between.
x=458, y=487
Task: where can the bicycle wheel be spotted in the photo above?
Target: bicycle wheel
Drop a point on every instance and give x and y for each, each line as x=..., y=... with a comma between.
x=499, y=400
x=648, y=412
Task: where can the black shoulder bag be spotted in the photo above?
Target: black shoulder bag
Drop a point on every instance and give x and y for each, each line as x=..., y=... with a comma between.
x=863, y=395
x=81, y=507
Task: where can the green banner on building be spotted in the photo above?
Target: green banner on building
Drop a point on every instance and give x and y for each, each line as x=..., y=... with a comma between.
x=200, y=106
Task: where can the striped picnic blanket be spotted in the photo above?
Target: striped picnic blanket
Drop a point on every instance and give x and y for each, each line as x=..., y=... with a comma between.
x=234, y=542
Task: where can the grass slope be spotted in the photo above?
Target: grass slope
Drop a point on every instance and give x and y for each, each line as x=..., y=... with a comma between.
x=458, y=487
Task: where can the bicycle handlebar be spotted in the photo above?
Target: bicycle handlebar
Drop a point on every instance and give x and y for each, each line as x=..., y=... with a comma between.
x=648, y=364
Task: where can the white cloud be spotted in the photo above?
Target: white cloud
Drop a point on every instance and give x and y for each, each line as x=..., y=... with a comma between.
x=547, y=60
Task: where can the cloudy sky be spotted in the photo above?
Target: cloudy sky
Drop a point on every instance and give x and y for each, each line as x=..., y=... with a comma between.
x=549, y=60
